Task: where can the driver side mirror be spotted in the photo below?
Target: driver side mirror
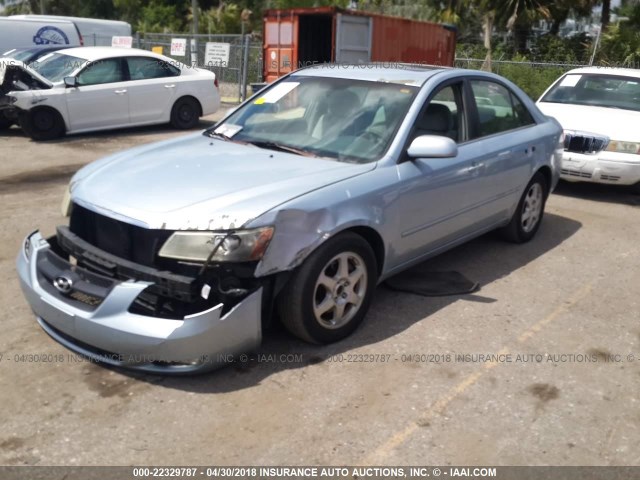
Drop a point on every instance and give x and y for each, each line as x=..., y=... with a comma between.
x=432, y=146
x=71, y=82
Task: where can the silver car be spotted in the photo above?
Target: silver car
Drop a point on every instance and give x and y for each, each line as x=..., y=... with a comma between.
x=297, y=204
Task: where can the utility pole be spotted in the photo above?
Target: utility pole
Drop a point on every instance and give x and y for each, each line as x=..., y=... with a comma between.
x=194, y=12
x=42, y=12
x=194, y=40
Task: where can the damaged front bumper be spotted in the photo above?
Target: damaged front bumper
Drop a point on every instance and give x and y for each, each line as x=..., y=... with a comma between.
x=90, y=314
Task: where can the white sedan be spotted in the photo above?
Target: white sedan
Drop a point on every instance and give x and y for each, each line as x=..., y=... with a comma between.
x=599, y=109
x=98, y=88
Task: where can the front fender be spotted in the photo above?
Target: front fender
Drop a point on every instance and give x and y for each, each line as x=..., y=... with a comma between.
x=299, y=232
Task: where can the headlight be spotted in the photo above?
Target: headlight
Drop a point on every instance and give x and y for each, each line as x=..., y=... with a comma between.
x=623, y=147
x=232, y=246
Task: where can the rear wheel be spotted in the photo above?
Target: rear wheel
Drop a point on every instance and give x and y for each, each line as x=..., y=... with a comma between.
x=42, y=124
x=185, y=113
x=528, y=215
x=328, y=296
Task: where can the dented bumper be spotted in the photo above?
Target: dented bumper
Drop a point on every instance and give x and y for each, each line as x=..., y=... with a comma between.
x=105, y=330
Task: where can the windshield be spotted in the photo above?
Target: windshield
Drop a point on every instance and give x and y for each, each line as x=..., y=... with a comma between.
x=55, y=66
x=348, y=120
x=610, y=91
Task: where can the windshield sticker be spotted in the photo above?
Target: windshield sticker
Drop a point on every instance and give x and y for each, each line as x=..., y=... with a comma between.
x=276, y=93
x=570, y=80
x=228, y=130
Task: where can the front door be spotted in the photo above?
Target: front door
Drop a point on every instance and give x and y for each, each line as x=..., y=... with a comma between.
x=101, y=97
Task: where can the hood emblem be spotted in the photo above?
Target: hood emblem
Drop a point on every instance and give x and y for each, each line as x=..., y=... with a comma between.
x=63, y=284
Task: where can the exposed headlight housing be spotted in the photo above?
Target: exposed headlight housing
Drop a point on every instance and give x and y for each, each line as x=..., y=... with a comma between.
x=623, y=147
x=230, y=246
x=65, y=207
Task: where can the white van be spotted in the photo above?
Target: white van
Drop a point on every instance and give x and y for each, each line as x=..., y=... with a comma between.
x=94, y=31
x=27, y=32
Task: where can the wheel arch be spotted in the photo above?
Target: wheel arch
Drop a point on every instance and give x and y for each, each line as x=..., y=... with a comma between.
x=182, y=97
x=53, y=109
x=374, y=239
x=545, y=170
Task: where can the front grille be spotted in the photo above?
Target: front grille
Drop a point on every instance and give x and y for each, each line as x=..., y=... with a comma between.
x=580, y=143
x=575, y=173
x=610, y=178
x=129, y=242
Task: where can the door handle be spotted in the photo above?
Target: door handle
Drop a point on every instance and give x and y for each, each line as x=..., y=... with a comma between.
x=170, y=86
x=120, y=92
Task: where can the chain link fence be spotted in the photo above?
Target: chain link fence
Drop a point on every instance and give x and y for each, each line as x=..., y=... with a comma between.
x=245, y=63
x=235, y=76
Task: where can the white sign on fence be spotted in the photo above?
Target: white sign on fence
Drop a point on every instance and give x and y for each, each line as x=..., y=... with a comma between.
x=217, y=54
x=178, y=47
x=125, y=42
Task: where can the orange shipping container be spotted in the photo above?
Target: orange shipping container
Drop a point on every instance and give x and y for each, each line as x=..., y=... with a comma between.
x=294, y=38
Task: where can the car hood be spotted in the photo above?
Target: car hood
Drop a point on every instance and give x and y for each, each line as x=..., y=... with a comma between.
x=196, y=182
x=7, y=64
x=615, y=123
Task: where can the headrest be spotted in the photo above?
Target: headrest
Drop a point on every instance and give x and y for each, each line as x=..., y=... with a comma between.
x=342, y=102
x=437, y=118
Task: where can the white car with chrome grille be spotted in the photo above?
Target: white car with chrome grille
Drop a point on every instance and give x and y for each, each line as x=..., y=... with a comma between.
x=599, y=109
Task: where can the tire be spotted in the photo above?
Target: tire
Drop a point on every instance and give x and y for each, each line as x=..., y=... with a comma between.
x=5, y=123
x=346, y=294
x=528, y=215
x=185, y=113
x=42, y=124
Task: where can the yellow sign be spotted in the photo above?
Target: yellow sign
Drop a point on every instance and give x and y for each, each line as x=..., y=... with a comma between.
x=157, y=50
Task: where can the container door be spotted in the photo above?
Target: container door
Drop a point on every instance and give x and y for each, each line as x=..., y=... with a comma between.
x=353, y=38
x=280, y=46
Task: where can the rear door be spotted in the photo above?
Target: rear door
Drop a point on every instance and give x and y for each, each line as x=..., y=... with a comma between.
x=504, y=140
x=151, y=88
x=101, y=99
x=353, y=38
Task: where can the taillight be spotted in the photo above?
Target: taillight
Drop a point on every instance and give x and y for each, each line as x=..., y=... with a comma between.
x=215, y=82
x=81, y=39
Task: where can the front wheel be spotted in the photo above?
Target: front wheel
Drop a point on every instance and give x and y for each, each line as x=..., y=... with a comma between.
x=185, y=113
x=328, y=296
x=42, y=124
x=5, y=123
x=528, y=215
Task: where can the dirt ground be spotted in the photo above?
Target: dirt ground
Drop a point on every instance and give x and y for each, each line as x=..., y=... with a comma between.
x=562, y=313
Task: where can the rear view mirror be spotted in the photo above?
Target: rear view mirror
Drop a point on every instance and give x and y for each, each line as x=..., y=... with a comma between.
x=71, y=81
x=432, y=146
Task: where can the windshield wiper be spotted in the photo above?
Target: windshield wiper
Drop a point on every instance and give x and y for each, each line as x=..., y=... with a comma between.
x=281, y=147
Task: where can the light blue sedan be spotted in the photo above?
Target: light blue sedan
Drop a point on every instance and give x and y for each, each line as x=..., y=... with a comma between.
x=296, y=205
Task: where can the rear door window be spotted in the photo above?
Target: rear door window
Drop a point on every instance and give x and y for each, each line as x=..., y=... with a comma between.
x=499, y=110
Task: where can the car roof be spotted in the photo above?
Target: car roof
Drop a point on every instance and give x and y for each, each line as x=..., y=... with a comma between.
x=98, y=53
x=408, y=74
x=625, y=72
